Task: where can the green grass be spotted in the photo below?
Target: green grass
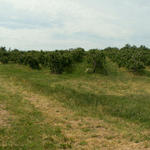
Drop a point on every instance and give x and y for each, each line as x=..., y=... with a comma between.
x=120, y=98
x=134, y=107
x=27, y=130
x=117, y=95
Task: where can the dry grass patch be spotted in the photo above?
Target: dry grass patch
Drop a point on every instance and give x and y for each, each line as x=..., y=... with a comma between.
x=4, y=117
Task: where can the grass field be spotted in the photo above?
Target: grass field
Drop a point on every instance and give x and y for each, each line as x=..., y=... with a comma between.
x=43, y=111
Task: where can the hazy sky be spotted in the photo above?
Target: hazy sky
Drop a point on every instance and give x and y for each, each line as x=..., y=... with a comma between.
x=62, y=24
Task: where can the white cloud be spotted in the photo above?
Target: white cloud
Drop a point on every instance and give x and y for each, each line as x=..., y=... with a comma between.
x=51, y=24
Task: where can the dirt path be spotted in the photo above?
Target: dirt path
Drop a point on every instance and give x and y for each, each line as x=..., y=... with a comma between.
x=86, y=133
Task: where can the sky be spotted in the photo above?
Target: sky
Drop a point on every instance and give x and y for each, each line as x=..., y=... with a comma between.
x=63, y=24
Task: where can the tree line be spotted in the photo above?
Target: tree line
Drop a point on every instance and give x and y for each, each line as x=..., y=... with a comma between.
x=133, y=58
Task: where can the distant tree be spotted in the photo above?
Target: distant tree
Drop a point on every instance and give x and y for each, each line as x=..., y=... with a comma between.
x=96, y=60
x=59, y=61
x=4, y=60
x=32, y=62
x=77, y=54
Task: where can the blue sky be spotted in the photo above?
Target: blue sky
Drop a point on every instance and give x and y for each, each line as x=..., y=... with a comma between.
x=62, y=24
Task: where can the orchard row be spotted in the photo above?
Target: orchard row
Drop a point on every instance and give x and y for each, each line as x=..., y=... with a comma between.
x=133, y=58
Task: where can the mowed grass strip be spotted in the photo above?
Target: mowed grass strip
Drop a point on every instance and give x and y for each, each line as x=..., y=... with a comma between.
x=26, y=128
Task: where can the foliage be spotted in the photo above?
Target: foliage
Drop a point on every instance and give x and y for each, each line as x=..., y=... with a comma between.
x=133, y=58
x=3, y=49
x=77, y=54
x=3, y=55
x=4, y=60
x=96, y=60
x=59, y=61
x=32, y=62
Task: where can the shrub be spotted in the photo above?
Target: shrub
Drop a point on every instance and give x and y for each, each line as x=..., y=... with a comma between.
x=20, y=59
x=59, y=62
x=96, y=61
x=77, y=54
x=4, y=60
x=3, y=49
x=32, y=62
x=135, y=66
x=130, y=57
